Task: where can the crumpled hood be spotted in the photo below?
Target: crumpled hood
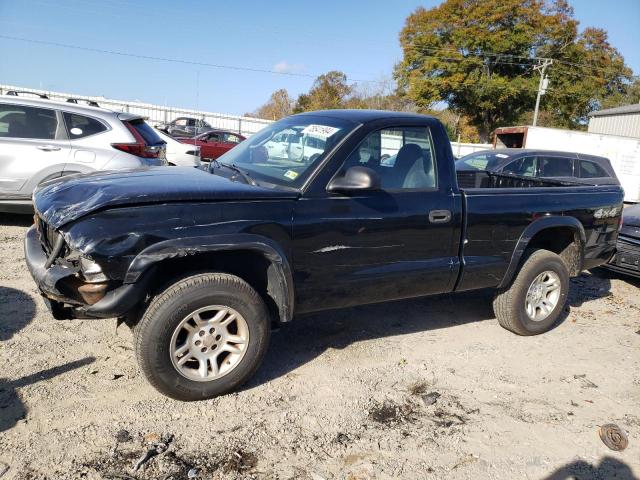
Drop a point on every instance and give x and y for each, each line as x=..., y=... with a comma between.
x=68, y=199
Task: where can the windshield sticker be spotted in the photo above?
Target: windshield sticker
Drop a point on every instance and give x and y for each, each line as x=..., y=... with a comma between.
x=291, y=175
x=321, y=131
x=501, y=155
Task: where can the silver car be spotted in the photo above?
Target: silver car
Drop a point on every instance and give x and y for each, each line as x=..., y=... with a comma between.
x=185, y=127
x=42, y=139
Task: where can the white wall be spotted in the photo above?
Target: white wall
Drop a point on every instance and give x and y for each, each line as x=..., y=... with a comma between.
x=462, y=149
x=625, y=125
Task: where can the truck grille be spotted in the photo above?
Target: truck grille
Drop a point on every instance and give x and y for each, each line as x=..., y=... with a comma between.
x=628, y=253
x=48, y=235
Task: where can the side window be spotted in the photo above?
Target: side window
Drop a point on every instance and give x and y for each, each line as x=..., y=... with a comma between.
x=525, y=167
x=231, y=138
x=79, y=126
x=591, y=170
x=403, y=157
x=215, y=137
x=191, y=122
x=18, y=121
x=313, y=142
x=551, y=167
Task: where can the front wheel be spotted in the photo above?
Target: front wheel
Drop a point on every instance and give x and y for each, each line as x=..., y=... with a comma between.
x=535, y=299
x=202, y=337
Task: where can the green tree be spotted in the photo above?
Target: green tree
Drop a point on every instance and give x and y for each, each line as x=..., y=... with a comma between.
x=329, y=91
x=631, y=94
x=279, y=105
x=478, y=57
x=587, y=73
x=380, y=95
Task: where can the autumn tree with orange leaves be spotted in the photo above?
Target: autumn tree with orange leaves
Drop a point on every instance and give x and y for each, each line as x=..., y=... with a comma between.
x=478, y=57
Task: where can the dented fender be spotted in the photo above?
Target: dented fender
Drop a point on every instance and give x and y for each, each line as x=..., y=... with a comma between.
x=283, y=290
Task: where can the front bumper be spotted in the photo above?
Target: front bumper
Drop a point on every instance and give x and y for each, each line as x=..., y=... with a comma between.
x=627, y=257
x=116, y=302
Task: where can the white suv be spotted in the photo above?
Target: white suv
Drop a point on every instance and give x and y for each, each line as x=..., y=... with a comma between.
x=42, y=139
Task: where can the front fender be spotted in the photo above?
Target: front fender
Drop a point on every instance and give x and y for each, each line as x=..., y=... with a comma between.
x=532, y=229
x=181, y=247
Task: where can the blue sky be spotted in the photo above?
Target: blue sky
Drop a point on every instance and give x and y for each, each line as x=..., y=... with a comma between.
x=357, y=37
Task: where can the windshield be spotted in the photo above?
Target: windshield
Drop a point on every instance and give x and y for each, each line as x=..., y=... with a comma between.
x=481, y=161
x=285, y=152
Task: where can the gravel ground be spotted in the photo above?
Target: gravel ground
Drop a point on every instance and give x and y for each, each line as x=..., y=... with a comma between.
x=428, y=388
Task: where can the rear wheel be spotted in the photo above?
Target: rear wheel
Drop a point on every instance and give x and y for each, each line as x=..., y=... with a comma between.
x=535, y=299
x=203, y=336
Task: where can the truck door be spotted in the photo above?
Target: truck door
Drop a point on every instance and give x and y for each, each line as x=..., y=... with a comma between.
x=399, y=242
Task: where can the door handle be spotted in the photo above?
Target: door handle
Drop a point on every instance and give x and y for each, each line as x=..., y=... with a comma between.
x=439, y=216
x=48, y=148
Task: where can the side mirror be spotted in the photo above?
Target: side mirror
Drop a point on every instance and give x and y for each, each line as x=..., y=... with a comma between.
x=356, y=179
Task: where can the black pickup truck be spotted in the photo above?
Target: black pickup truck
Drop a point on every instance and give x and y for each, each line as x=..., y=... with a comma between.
x=366, y=208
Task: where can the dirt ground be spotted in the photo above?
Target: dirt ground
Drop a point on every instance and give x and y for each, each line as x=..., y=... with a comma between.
x=428, y=388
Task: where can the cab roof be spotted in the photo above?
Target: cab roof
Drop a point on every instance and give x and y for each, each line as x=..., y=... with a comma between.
x=359, y=116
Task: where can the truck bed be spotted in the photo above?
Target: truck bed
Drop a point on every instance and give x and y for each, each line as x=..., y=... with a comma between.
x=501, y=210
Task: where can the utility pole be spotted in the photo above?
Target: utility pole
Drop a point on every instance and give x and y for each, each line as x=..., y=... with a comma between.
x=542, y=86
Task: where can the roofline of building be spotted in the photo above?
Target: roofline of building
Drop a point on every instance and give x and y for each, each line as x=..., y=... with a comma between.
x=623, y=110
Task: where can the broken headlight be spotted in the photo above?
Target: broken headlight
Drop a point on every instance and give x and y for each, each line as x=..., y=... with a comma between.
x=91, y=271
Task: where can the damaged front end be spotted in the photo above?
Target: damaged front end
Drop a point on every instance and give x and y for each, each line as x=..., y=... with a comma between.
x=73, y=285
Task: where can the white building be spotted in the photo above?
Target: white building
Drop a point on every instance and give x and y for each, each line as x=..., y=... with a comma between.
x=621, y=121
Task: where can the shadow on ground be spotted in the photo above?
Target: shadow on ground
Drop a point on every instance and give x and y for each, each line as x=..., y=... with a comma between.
x=610, y=274
x=608, y=468
x=16, y=220
x=17, y=309
x=588, y=286
x=11, y=407
x=307, y=337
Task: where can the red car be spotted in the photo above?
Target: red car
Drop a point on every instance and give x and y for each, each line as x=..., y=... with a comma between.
x=214, y=143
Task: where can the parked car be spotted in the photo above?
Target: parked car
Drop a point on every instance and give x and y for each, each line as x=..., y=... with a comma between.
x=564, y=166
x=214, y=143
x=180, y=154
x=202, y=263
x=622, y=152
x=185, y=127
x=627, y=258
x=295, y=145
x=41, y=140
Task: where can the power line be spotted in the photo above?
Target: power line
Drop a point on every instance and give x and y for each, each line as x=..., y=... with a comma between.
x=532, y=58
x=260, y=70
x=562, y=70
x=166, y=59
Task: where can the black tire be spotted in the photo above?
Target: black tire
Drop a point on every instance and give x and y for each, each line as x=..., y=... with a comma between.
x=153, y=333
x=509, y=303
